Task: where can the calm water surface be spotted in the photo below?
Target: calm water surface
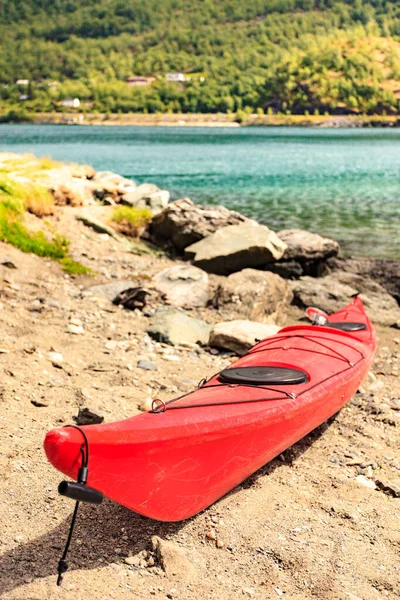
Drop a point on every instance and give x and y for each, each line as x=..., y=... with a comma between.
x=343, y=183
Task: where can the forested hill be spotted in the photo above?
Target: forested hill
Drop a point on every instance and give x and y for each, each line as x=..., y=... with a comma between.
x=276, y=55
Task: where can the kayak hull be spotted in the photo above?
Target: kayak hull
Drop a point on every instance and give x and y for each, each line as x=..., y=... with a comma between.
x=171, y=464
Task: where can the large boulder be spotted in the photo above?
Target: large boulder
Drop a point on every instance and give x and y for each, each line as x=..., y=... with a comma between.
x=147, y=195
x=236, y=247
x=385, y=271
x=306, y=254
x=334, y=291
x=183, y=223
x=255, y=295
x=174, y=326
x=240, y=335
x=183, y=285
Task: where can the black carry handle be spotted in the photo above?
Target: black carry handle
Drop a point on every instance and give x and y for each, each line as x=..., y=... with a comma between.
x=80, y=492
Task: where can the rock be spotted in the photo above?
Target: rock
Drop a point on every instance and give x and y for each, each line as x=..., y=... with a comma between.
x=148, y=196
x=174, y=560
x=144, y=190
x=75, y=329
x=88, y=417
x=157, y=201
x=132, y=561
x=236, y=247
x=56, y=359
x=365, y=482
x=385, y=272
x=7, y=263
x=184, y=285
x=389, y=487
x=147, y=365
x=132, y=298
x=183, y=223
x=109, y=180
x=334, y=291
x=174, y=326
x=111, y=290
x=146, y=405
x=306, y=253
x=219, y=543
x=134, y=246
x=254, y=295
x=239, y=335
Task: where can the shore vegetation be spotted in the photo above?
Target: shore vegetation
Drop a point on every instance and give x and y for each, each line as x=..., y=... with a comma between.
x=15, y=199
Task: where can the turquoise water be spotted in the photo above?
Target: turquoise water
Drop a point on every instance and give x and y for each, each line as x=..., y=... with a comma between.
x=343, y=183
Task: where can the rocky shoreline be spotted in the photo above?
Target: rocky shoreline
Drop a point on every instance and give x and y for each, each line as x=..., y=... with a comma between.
x=152, y=319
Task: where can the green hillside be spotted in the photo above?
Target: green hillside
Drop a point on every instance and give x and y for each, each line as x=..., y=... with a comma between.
x=271, y=55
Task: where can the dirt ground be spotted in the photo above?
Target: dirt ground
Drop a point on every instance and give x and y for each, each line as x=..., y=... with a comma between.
x=305, y=526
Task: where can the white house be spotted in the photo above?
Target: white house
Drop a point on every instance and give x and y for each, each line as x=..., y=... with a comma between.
x=173, y=77
x=22, y=82
x=71, y=102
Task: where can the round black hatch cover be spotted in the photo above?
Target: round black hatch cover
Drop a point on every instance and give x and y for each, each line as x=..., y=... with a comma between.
x=263, y=375
x=348, y=326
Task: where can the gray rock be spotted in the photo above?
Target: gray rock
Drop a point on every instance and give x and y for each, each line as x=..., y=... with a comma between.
x=236, y=247
x=148, y=196
x=334, y=291
x=305, y=245
x=110, y=290
x=240, y=335
x=184, y=285
x=183, y=223
x=174, y=326
x=144, y=190
x=384, y=271
x=254, y=295
x=306, y=254
x=110, y=179
x=147, y=365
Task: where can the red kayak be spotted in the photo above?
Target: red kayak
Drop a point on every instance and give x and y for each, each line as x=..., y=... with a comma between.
x=174, y=461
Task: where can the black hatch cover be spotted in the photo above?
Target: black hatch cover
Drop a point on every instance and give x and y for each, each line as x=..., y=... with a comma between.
x=263, y=375
x=348, y=326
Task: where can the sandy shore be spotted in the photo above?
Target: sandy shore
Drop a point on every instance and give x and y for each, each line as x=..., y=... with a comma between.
x=305, y=526
x=215, y=120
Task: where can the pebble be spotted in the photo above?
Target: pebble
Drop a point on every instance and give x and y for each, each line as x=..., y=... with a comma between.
x=211, y=535
x=146, y=405
x=56, y=359
x=366, y=482
x=111, y=345
x=219, y=544
x=75, y=321
x=4, y=351
x=132, y=561
x=75, y=329
x=147, y=365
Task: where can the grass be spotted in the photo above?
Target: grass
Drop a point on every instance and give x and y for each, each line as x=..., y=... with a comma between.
x=32, y=197
x=130, y=220
x=13, y=203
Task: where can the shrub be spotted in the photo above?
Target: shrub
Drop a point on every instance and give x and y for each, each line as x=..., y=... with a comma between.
x=131, y=221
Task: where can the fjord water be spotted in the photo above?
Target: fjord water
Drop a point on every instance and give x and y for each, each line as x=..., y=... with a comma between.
x=342, y=183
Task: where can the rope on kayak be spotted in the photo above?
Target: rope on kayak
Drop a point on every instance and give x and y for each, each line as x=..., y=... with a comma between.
x=161, y=408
